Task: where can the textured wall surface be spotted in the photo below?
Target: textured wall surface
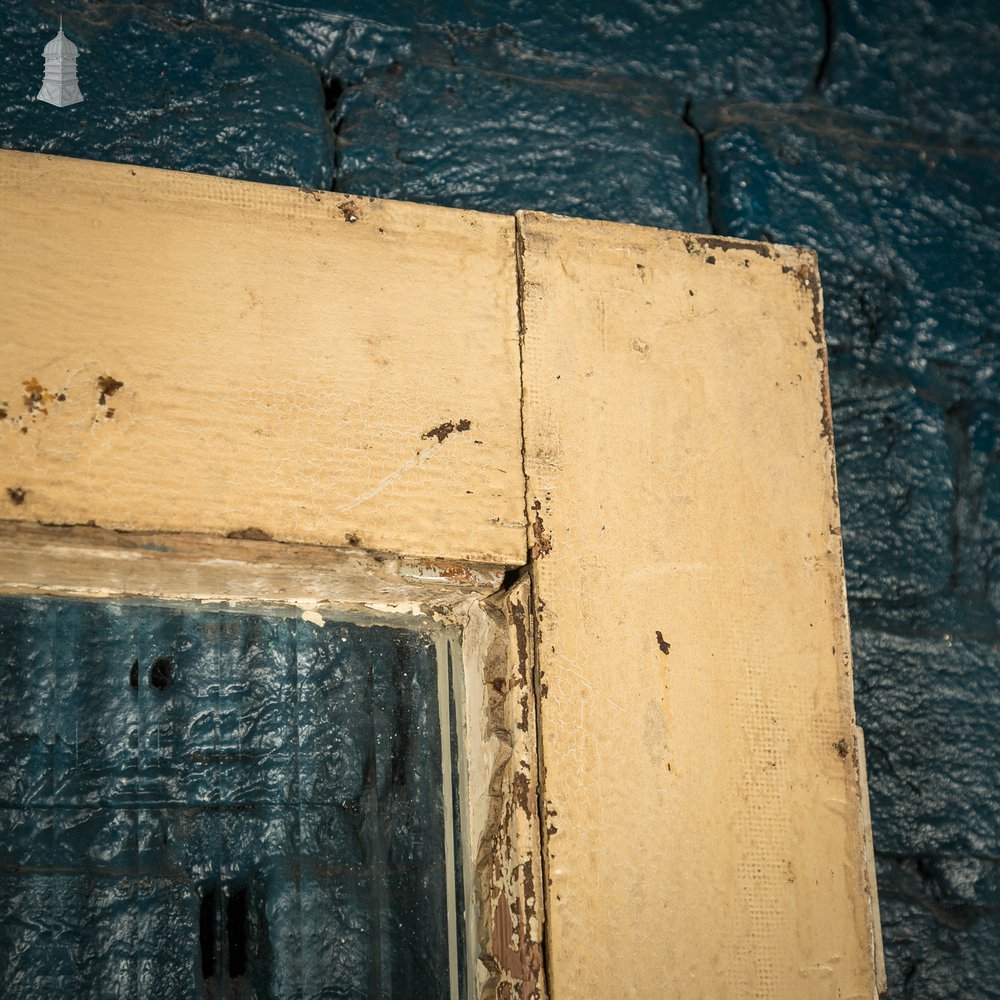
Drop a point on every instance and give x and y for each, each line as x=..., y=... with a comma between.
x=869, y=131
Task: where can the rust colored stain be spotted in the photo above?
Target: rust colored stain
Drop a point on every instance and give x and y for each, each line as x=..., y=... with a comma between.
x=17, y=495
x=107, y=387
x=448, y=427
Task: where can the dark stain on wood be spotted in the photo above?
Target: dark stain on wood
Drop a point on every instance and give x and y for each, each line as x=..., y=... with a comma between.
x=542, y=544
x=723, y=243
x=448, y=427
x=250, y=535
x=36, y=396
x=107, y=386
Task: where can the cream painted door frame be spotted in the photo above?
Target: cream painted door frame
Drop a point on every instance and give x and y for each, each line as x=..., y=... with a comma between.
x=218, y=390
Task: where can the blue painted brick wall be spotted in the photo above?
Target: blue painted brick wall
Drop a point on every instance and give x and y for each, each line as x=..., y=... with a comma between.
x=867, y=129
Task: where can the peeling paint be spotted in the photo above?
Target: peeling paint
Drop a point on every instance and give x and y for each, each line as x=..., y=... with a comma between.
x=725, y=243
x=475, y=575
x=402, y=608
x=509, y=849
x=350, y=211
x=107, y=386
x=36, y=396
x=542, y=544
x=448, y=427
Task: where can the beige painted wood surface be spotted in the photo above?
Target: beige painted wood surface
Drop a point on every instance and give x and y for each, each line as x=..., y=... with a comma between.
x=705, y=834
x=185, y=358
x=187, y=353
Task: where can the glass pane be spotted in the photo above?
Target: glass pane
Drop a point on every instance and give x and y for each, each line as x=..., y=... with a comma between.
x=199, y=803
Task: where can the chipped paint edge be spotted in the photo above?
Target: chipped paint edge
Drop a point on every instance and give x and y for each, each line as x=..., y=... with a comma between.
x=314, y=581
x=506, y=909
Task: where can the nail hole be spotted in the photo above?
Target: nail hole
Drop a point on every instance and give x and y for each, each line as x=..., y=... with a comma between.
x=159, y=676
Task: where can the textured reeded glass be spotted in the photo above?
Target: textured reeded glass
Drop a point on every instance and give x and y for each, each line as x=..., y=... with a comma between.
x=197, y=803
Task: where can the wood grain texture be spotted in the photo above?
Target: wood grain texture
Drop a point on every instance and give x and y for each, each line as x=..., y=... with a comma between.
x=187, y=353
x=703, y=812
x=108, y=565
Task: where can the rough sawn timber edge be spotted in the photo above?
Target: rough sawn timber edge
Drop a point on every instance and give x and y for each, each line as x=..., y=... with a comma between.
x=704, y=829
